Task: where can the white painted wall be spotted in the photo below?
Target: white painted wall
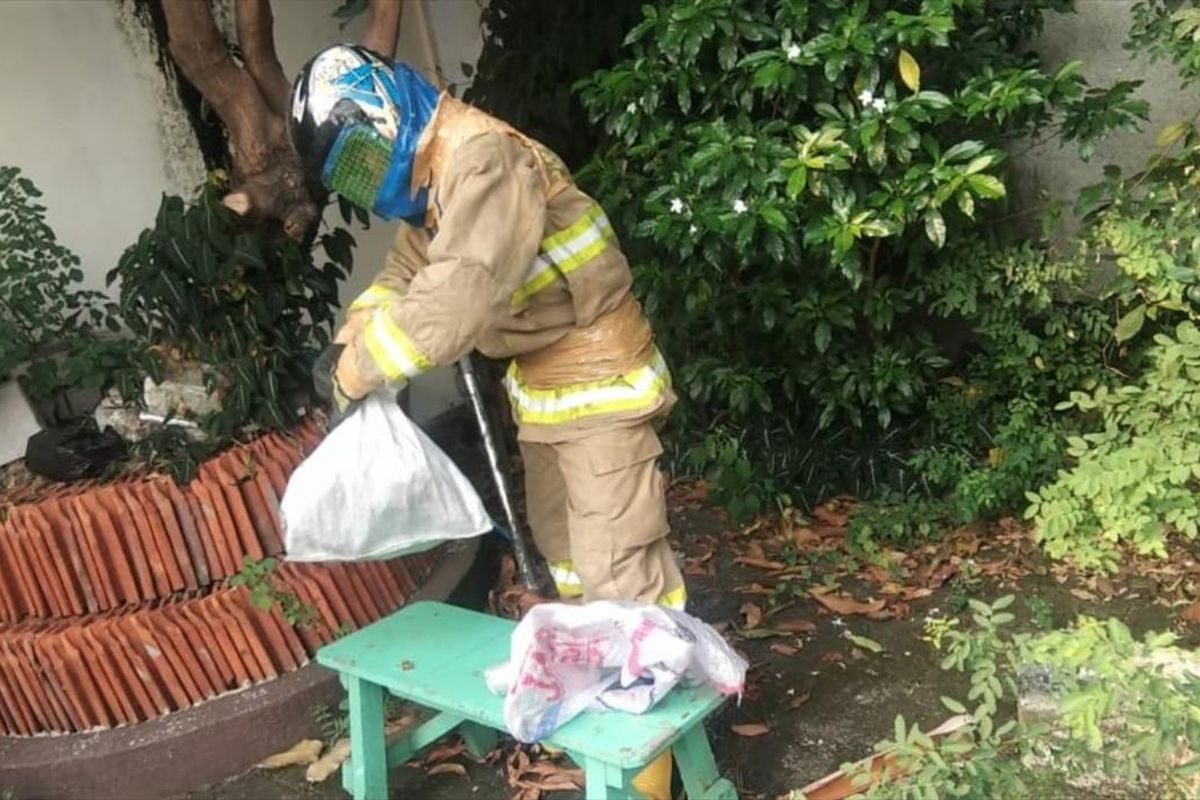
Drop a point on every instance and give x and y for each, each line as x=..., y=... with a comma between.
x=79, y=122
x=1096, y=34
x=82, y=117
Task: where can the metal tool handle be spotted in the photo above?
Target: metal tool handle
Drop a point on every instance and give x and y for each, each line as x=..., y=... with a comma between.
x=528, y=567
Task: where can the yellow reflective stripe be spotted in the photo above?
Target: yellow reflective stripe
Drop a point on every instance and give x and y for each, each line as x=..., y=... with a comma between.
x=588, y=237
x=394, y=353
x=566, y=251
x=675, y=599
x=374, y=296
x=592, y=218
x=566, y=580
x=640, y=388
x=542, y=274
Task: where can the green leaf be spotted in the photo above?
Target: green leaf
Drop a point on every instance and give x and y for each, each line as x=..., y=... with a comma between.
x=933, y=99
x=797, y=181
x=773, y=217
x=1130, y=324
x=935, y=227
x=910, y=71
x=1172, y=133
x=954, y=705
x=822, y=335
x=986, y=186
x=966, y=203
x=864, y=643
x=964, y=150
x=979, y=164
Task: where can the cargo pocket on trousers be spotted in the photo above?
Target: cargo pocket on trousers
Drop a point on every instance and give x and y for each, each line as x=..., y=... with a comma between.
x=629, y=486
x=615, y=452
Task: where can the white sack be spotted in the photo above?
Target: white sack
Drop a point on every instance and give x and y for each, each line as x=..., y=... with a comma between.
x=377, y=487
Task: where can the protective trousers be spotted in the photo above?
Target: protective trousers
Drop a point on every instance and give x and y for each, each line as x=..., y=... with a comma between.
x=597, y=509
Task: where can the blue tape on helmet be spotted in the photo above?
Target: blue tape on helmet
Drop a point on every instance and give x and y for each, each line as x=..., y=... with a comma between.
x=417, y=99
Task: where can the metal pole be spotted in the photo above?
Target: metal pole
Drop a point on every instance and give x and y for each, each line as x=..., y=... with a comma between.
x=527, y=565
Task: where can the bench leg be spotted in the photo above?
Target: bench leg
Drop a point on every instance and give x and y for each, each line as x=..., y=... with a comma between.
x=698, y=768
x=479, y=739
x=608, y=782
x=368, y=772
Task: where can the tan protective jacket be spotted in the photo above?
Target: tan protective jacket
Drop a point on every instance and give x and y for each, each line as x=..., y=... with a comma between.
x=514, y=260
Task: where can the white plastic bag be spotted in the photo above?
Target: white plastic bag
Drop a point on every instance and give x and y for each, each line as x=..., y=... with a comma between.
x=605, y=655
x=377, y=487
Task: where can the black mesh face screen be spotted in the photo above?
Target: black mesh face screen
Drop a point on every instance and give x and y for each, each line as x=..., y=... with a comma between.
x=360, y=162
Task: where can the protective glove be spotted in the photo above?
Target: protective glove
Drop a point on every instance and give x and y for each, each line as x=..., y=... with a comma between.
x=327, y=388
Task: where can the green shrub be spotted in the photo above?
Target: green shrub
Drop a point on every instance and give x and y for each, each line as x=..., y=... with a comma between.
x=792, y=179
x=250, y=305
x=1135, y=476
x=1123, y=712
x=1132, y=475
x=533, y=52
x=49, y=327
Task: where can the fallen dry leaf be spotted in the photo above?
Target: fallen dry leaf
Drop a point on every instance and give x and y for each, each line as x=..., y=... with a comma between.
x=801, y=537
x=1191, y=613
x=1083, y=594
x=532, y=777
x=760, y=563
x=846, y=606
x=754, y=588
x=328, y=764
x=702, y=564
x=446, y=769
x=784, y=649
x=393, y=726
x=796, y=702
x=796, y=626
x=751, y=729
x=305, y=751
x=831, y=514
x=690, y=495
x=762, y=633
x=444, y=752
x=753, y=550
x=753, y=614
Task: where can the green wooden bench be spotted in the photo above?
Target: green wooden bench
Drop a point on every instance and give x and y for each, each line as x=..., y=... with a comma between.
x=435, y=655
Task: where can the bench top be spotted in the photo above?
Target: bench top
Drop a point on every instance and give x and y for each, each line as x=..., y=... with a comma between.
x=435, y=655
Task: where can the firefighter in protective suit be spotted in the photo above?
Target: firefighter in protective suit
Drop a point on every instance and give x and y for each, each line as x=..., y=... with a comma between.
x=499, y=251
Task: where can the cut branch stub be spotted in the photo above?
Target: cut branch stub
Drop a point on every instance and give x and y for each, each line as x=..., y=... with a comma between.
x=268, y=181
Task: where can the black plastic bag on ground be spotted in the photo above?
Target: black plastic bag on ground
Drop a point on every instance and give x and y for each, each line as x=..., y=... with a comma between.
x=72, y=451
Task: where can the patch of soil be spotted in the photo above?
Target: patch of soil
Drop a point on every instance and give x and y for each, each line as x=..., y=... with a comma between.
x=824, y=699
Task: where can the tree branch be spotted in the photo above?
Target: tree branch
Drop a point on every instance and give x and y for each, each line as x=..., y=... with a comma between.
x=255, y=31
x=383, y=26
x=199, y=50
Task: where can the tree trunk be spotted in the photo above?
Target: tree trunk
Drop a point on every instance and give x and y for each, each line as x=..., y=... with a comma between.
x=251, y=98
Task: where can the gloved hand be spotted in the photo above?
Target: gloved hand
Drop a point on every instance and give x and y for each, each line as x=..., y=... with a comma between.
x=326, y=387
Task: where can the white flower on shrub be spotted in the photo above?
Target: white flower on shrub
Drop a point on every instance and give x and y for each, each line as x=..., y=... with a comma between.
x=793, y=51
x=879, y=104
x=677, y=206
x=631, y=108
x=692, y=229
x=866, y=97
x=739, y=206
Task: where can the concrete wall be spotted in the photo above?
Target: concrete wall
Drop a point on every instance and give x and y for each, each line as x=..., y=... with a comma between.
x=1095, y=34
x=89, y=119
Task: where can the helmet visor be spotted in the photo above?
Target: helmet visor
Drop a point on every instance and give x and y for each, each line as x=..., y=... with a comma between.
x=358, y=164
